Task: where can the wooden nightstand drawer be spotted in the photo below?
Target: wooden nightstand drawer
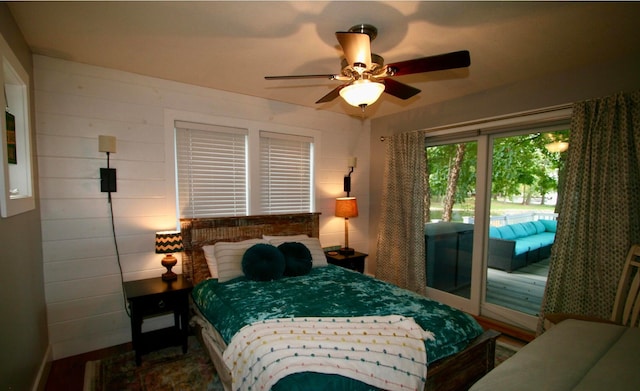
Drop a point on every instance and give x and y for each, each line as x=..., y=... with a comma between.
x=158, y=304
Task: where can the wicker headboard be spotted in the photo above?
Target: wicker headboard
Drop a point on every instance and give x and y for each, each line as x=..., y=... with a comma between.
x=204, y=231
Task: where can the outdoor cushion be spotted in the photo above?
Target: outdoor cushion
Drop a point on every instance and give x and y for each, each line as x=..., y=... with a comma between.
x=546, y=238
x=539, y=226
x=506, y=232
x=549, y=225
x=530, y=228
x=519, y=230
x=522, y=246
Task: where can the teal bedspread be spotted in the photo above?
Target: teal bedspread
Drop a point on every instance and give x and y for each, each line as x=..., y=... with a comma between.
x=331, y=291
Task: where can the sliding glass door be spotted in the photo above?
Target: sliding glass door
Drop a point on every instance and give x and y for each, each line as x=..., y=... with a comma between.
x=491, y=219
x=451, y=206
x=525, y=183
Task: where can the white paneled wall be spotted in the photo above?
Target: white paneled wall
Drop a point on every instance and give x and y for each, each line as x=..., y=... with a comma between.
x=76, y=103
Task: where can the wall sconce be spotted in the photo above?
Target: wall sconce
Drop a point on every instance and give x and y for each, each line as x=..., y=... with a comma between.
x=347, y=178
x=169, y=242
x=346, y=207
x=107, y=175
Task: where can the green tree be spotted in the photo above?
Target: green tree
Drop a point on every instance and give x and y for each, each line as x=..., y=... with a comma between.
x=522, y=166
x=451, y=170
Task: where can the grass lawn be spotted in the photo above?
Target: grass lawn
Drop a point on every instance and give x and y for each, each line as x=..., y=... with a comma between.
x=498, y=208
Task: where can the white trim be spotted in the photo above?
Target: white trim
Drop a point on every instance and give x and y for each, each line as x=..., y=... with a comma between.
x=555, y=113
x=209, y=127
x=40, y=380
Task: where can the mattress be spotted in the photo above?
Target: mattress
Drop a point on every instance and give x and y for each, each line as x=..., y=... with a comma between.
x=330, y=291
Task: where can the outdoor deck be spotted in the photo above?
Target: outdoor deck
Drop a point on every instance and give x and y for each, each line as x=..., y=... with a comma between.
x=521, y=290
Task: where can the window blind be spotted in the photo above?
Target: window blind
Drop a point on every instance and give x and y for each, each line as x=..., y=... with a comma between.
x=211, y=170
x=285, y=173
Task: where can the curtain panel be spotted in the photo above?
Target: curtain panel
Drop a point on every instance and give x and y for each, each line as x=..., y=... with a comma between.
x=599, y=208
x=400, y=244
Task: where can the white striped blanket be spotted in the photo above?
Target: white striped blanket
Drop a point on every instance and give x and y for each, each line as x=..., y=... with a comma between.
x=384, y=351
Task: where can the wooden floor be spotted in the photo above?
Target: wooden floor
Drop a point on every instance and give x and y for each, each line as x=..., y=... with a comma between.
x=67, y=374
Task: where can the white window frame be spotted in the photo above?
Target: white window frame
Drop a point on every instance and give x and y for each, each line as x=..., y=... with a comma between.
x=16, y=180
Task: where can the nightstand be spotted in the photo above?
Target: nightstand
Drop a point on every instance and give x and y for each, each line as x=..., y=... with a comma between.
x=353, y=261
x=154, y=297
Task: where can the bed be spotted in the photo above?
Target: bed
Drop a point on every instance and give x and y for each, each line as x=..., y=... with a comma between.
x=454, y=363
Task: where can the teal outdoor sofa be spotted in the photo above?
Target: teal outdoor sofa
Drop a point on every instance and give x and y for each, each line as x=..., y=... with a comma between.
x=516, y=245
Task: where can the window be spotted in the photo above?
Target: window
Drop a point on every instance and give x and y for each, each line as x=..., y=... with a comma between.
x=211, y=170
x=16, y=174
x=235, y=171
x=285, y=173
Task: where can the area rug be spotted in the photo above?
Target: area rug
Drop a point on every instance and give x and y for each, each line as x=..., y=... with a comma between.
x=166, y=369
x=169, y=369
x=504, y=351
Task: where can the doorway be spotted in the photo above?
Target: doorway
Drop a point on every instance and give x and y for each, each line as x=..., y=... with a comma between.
x=491, y=220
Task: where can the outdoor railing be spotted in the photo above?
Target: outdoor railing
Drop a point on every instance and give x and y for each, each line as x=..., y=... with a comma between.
x=499, y=221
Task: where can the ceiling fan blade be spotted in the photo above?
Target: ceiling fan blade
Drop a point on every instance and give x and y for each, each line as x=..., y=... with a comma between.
x=399, y=90
x=289, y=77
x=356, y=47
x=332, y=95
x=439, y=62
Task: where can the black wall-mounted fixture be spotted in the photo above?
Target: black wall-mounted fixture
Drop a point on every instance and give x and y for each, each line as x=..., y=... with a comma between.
x=347, y=178
x=108, y=180
x=107, y=175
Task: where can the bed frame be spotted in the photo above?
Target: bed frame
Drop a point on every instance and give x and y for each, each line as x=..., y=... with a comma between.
x=453, y=373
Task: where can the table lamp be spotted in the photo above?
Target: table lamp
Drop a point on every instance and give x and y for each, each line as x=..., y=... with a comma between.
x=169, y=242
x=346, y=207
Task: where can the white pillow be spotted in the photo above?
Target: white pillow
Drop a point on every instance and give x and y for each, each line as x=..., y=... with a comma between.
x=210, y=256
x=313, y=244
x=228, y=256
x=285, y=238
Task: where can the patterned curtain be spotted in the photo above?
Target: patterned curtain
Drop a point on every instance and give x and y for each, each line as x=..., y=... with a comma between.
x=599, y=207
x=400, y=246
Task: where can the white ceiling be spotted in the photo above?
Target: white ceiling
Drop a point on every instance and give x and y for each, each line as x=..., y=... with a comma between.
x=231, y=46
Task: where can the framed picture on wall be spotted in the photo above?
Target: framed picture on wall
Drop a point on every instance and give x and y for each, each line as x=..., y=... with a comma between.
x=12, y=155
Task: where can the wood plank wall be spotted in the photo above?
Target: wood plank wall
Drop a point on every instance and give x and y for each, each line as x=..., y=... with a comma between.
x=76, y=103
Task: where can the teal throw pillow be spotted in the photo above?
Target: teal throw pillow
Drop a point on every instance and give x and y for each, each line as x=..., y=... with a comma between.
x=263, y=262
x=297, y=258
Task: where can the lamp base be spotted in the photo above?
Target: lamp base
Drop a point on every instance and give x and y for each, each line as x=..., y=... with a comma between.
x=169, y=261
x=346, y=251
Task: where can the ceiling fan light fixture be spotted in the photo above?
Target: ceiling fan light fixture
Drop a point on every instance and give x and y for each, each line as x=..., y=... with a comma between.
x=362, y=92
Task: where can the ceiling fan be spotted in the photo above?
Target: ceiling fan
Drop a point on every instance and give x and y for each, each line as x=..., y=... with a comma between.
x=366, y=76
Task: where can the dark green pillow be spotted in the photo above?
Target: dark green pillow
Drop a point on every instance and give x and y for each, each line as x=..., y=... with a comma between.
x=297, y=259
x=263, y=262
